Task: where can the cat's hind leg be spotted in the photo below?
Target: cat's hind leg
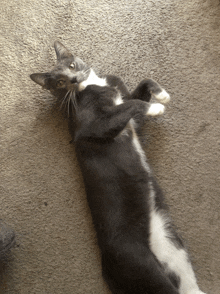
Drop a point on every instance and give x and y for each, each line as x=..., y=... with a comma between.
x=148, y=88
x=169, y=250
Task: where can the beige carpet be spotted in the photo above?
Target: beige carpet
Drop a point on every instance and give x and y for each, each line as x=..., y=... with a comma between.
x=41, y=191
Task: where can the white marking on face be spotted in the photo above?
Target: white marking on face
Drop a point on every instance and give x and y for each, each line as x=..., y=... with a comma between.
x=163, y=96
x=156, y=109
x=92, y=79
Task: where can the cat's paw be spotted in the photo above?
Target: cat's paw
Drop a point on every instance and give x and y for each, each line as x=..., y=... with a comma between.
x=163, y=96
x=156, y=109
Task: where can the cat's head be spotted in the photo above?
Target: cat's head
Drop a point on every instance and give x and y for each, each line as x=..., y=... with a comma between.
x=65, y=77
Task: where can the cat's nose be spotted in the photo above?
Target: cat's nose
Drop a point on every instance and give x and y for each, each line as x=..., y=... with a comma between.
x=74, y=80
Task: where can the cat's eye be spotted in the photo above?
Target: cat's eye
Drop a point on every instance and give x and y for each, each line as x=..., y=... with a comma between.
x=72, y=65
x=60, y=84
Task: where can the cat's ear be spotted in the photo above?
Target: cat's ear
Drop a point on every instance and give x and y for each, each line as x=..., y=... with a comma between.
x=61, y=51
x=39, y=78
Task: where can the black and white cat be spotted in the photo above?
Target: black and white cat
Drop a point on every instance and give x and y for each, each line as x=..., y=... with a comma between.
x=141, y=252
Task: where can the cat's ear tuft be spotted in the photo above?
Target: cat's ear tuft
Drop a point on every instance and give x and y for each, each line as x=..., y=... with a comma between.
x=39, y=78
x=61, y=51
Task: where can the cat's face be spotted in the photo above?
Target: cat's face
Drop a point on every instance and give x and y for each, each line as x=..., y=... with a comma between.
x=65, y=76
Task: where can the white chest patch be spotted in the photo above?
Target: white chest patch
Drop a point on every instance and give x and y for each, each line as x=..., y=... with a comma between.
x=92, y=79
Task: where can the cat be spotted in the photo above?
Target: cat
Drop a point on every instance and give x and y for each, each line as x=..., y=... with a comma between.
x=140, y=249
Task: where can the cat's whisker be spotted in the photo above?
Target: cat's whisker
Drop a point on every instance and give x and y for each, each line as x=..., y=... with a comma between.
x=68, y=105
x=73, y=100
x=86, y=70
x=64, y=99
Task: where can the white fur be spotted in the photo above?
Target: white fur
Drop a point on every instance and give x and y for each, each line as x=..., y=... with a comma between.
x=195, y=292
x=167, y=253
x=118, y=100
x=92, y=79
x=156, y=109
x=163, y=96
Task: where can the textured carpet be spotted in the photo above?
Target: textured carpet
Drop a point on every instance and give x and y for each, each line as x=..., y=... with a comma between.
x=41, y=191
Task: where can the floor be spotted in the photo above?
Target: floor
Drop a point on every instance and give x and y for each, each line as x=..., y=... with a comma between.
x=41, y=190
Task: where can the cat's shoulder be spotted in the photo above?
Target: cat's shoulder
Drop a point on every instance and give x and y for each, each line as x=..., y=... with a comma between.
x=117, y=82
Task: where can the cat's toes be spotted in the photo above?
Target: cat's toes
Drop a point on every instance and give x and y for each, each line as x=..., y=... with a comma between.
x=156, y=109
x=163, y=96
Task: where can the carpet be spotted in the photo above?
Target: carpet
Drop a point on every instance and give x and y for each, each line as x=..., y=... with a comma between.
x=41, y=190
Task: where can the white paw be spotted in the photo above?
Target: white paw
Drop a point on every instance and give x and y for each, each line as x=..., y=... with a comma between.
x=156, y=109
x=163, y=96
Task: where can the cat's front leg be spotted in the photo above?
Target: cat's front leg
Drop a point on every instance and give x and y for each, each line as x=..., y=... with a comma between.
x=117, y=117
x=148, y=88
